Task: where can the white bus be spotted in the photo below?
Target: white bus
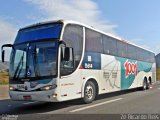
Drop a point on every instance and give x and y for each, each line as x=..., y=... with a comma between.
x=63, y=60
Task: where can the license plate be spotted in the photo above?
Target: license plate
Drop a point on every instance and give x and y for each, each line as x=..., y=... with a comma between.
x=27, y=97
x=20, y=86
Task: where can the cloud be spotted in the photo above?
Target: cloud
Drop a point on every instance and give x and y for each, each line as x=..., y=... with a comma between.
x=85, y=11
x=7, y=34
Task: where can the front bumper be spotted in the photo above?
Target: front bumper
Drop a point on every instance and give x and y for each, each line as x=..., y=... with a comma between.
x=46, y=96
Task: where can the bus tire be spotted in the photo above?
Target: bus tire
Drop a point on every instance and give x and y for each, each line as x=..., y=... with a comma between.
x=89, y=92
x=145, y=84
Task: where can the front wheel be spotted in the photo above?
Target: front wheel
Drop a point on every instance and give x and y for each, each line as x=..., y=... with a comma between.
x=89, y=92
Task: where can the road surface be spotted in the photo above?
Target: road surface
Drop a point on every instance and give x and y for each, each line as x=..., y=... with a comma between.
x=120, y=103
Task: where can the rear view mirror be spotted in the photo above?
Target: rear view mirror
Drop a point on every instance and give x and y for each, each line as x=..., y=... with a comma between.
x=67, y=54
x=67, y=57
x=67, y=60
x=3, y=51
x=2, y=55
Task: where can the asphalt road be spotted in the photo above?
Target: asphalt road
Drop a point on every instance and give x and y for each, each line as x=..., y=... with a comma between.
x=121, y=104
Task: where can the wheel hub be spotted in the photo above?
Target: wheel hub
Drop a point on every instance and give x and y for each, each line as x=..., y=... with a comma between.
x=89, y=92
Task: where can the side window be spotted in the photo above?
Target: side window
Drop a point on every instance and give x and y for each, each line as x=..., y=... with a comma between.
x=122, y=49
x=148, y=57
x=109, y=45
x=140, y=54
x=73, y=37
x=132, y=52
x=93, y=41
x=151, y=57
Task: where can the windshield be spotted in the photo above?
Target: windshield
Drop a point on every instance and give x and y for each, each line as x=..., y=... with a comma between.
x=34, y=53
x=18, y=63
x=40, y=32
x=38, y=59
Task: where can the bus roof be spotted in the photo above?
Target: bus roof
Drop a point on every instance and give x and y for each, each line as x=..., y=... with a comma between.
x=87, y=26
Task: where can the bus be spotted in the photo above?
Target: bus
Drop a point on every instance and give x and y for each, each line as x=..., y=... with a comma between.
x=63, y=60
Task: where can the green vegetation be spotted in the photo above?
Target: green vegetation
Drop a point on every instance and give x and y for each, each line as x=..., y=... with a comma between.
x=4, y=78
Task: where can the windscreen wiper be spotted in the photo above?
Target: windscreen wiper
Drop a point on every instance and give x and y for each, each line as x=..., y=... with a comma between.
x=16, y=74
x=36, y=67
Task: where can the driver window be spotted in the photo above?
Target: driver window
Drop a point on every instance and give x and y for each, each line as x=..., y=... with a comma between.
x=73, y=37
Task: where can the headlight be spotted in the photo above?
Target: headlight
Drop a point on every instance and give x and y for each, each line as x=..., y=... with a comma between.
x=48, y=87
x=11, y=88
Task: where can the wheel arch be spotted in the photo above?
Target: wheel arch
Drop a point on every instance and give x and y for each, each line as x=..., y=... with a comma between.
x=145, y=81
x=150, y=80
x=145, y=78
x=95, y=83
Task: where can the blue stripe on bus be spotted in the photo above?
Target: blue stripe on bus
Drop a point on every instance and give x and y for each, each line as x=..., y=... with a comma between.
x=91, y=60
x=49, y=32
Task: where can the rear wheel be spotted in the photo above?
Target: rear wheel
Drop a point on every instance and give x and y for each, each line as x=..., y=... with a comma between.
x=145, y=85
x=89, y=92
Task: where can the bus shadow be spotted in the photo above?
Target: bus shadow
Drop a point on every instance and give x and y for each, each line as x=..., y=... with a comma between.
x=9, y=107
x=117, y=93
x=19, y=108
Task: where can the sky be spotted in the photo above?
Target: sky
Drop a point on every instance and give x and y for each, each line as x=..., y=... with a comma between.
x=137, y=21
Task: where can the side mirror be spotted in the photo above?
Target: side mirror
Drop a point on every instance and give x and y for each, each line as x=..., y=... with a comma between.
x=3, y=52
x=68, y=54
x=67, y=60
x=67, y=57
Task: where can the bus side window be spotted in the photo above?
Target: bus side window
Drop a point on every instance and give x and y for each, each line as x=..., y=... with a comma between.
x=73, y=37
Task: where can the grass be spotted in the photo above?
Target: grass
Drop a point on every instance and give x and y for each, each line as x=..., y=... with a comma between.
x=4, y=78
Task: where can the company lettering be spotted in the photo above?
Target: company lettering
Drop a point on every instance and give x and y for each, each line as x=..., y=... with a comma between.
x=131, y=68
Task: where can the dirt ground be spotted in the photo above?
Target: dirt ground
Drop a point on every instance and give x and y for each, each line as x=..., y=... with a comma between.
x=4, y=92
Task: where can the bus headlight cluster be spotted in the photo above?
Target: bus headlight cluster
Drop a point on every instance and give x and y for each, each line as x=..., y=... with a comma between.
x=48, y=87
x=11, y=88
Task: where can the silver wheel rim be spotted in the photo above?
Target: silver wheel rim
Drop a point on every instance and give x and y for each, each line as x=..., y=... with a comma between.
x=89, y=92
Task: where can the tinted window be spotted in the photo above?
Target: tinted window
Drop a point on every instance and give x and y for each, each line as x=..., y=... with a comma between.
x=139, y=54
x=48, y=31
x=132, y=52
x=109, y=45
x=93, y=41
x=151, y=57
x=73, y=37
x=122, y=49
